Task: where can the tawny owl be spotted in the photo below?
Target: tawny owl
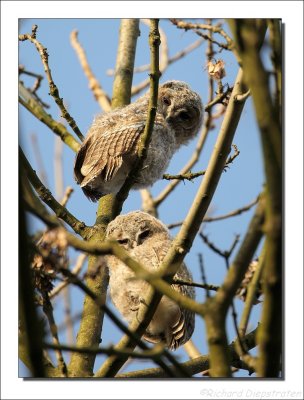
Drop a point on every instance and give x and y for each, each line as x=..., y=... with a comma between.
x=147, y=240
x=110, y=148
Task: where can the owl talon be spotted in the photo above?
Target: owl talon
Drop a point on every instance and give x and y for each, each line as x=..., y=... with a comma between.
x=143, y=301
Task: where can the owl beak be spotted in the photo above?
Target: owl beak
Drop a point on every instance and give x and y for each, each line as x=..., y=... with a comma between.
x=169, y=119
x=133, y=244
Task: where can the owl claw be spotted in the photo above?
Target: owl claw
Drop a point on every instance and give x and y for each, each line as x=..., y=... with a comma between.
x=143, y=301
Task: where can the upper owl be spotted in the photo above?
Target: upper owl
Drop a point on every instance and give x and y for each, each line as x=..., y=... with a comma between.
x=110, y=148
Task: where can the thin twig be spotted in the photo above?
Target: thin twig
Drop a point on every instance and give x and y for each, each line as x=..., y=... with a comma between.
x=193, y=160
x=48, y=310
x=221, y=98
x=268, y=119
x=233, y=213
x=221, y=217
x=78, y=266
x=38, y=77
x=204, y=279
x=40, y=164
x=226, y=254
x=46, y=196
x=36, y=84
x=223, y=46
x=192, y=175
x=58, y=168
x=67, y=194
x=212, y=28
x=92, y=314
x=132, y=335
x=198, y=364
x=195, y=284
x=180, y=54
x=165, y=61
x=33, y=106
x=154, y=353
x=59, y=188
x=148, y=204
x=146, y=136
x=200, y=143
x=250, y=300
x=54, y=92
x=100, y=95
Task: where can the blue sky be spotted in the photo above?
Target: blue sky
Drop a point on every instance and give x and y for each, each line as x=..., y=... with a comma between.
x=238, y=186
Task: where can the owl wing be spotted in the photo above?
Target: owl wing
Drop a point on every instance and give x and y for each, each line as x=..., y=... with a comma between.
x=180, y=332
x=184, y=327
x=102, y=152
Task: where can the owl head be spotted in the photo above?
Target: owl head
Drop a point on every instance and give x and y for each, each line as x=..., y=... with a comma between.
x=135, y=229
x=181, y=108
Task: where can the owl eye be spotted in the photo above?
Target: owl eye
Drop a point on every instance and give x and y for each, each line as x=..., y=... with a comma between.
x=184, y=116
x=166, y=101
x=143, y=235
x=123, y=241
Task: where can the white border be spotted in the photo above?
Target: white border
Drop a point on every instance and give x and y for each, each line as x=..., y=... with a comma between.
x=292, y=14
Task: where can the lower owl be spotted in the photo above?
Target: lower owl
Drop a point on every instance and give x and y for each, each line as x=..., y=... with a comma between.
x=147, y=240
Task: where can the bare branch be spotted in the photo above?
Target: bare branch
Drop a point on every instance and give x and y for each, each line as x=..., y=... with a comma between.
x=193, y=160
x=100, y=95
x=224, y=216
x=46, y=196
x=129, y=332
x=75, y=271
x=197, y=365
x=54, y=92
x=68, y=192
x=192, y=175
x=179, y=55
x=151, y=354
x=39, y=160
x=48, y=310
x=34, y=107
x=268, y=118
x=92, y=317
x=154, y=41
x=212, y=28
x=125, y=62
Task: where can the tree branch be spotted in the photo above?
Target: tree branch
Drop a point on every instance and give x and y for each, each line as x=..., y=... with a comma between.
x=129, y=31
x=216, y=308
x=99, y=94
x=112, y=247
x=221, y=217
x=31, y=333
x=128, y=332
x=48, y=310
x=249, y=302
x=193, y=160
x=192, y=175
x=196, y=365
x=92, y=317
x=46, y=196
x=212, y=28
x=54, y=92
x=154, y=41
x=34, y=107
x=268, y=118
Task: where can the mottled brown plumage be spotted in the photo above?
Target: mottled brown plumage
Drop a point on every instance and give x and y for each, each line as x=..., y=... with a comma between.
x=110, y=148
x=147, y=240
